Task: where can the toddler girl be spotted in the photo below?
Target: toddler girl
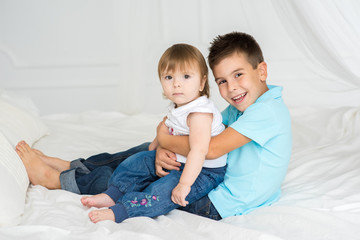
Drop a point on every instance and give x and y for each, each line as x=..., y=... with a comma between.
x=134, y=188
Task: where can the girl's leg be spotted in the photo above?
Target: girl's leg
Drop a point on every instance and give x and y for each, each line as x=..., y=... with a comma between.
x=155, y=200
x=98, y=200
x=101, y=215
x=134, y=174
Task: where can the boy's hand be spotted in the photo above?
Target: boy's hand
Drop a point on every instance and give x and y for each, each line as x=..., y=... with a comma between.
x=179, y=194
x=165, y=159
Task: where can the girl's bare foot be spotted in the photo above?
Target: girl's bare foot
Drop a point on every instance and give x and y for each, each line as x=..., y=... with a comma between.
x=99, y=201
x=39, y=173
x=101, y=215
x=57, y=163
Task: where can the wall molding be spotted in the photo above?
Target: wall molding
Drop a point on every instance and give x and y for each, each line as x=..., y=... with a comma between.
x=65, y=63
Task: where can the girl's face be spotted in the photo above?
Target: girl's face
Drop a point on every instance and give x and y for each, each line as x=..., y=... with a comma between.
x=182, y=86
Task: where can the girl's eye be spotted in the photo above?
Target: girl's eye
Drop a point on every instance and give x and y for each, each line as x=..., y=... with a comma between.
x=186, y=76
x=238, y=75
x=168, y=77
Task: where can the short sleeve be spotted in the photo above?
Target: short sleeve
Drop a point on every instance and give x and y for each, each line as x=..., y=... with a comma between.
x=258, y=123
x=225, y=116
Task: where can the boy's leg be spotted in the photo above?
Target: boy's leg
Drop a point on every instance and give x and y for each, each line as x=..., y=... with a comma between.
x=112, y=160
x=39, y=172
x=203, y=207
x=91, y=176
x=54, y=162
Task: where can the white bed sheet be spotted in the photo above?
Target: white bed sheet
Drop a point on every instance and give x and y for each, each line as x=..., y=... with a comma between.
x=320, y=200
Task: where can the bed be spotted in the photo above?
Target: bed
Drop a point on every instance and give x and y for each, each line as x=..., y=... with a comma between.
x=320, y=195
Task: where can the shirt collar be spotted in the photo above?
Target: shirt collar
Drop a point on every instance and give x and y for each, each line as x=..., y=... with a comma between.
x=273, y=93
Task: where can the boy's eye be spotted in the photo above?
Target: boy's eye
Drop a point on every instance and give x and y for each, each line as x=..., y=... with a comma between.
x=186, y=76
x=238, y=75
x=168, y=77
x=221, y=82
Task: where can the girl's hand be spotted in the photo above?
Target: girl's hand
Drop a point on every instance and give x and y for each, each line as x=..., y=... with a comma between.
x=179, y=194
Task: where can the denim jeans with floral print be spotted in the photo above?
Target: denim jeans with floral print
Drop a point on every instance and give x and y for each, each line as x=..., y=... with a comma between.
x=143, y=193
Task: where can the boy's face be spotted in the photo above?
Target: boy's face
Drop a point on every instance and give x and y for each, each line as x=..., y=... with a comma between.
x=239, y=84
x=182, y=86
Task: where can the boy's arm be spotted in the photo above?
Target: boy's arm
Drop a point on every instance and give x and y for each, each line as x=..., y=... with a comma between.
x=221, y=144
x=199, y=138
x=176, y=144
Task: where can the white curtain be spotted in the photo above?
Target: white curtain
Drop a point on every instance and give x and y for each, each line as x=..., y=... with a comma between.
x=328, y=32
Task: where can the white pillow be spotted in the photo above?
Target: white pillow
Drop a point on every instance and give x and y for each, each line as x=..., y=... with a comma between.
x=20, y=101
x=18, y=124
x=14, y=182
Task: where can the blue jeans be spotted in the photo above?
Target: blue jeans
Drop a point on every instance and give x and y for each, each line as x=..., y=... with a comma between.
x=138, y=191
x=91, y=175
x=203, y=207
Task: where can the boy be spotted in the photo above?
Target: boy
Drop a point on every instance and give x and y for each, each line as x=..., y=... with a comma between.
x=258, y=138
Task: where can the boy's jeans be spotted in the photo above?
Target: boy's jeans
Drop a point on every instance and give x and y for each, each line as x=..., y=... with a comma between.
x=91, y=176
x=135, y=185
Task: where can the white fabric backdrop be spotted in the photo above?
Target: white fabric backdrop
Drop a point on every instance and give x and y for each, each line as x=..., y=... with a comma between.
x=328, y=31
x=74, y=56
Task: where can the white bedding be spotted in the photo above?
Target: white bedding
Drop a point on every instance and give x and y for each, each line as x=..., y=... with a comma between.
x=320, y=195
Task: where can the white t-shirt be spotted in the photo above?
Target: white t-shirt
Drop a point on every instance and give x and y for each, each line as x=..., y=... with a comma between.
x=177, y=124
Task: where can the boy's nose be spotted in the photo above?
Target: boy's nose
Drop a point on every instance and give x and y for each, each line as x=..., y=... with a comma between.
x=231, y=86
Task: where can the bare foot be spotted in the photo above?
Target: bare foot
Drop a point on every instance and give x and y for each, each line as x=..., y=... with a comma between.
x=101, y=215
x=57, y=163
x=39, y=173
x=99, y=201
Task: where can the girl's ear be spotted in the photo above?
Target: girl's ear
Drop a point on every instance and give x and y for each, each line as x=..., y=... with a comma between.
x=203, y=81
x=262, y=67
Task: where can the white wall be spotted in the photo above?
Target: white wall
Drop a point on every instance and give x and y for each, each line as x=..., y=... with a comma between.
x=72, y=56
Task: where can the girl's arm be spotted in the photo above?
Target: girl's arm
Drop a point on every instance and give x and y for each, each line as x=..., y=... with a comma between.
x=221, y=144
x=199, y=138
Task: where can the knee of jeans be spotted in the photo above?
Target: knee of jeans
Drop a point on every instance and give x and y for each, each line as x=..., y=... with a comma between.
x=139, y=160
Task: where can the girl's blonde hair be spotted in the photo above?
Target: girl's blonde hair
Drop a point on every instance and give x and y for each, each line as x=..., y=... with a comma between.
x=181, y=56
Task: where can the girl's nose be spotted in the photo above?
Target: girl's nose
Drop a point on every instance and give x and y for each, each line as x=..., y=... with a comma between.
x=176, y=82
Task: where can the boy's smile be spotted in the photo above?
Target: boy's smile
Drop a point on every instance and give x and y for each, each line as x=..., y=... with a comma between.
x=239, y=83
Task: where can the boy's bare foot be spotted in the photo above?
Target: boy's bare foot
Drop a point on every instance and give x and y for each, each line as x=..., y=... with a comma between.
x=39, y=173
x=99, y=201
x=101, y=215
x=57, y=163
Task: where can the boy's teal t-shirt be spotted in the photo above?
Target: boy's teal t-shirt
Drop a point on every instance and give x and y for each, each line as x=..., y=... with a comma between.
x=256, y=170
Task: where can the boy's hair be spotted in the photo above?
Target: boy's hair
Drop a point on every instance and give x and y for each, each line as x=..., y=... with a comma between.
x=181, y=56
x=235, y=42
